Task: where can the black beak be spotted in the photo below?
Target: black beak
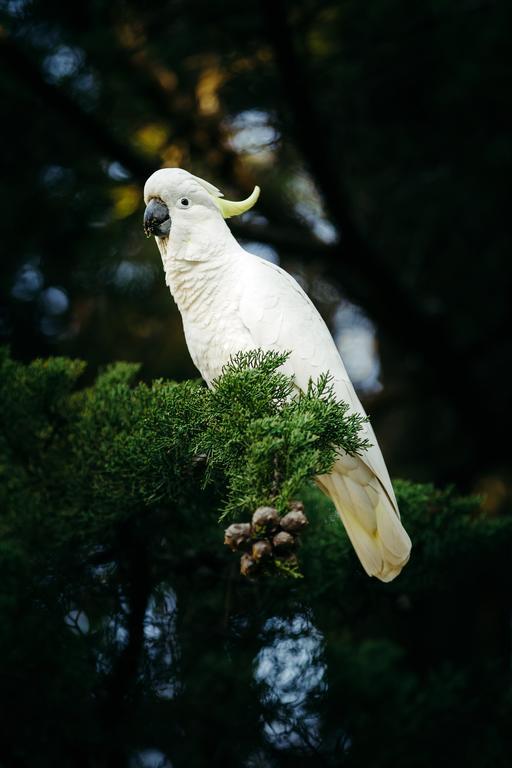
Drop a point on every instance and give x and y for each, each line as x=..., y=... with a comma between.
x=157, y=221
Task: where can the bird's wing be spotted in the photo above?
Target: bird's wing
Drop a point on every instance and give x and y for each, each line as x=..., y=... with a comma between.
x=280, y=316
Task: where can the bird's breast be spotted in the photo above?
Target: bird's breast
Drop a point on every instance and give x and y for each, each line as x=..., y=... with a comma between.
x=214, y=336
x=208, y=297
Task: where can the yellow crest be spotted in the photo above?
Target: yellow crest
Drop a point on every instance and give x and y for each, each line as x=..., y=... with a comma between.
x=229, y=208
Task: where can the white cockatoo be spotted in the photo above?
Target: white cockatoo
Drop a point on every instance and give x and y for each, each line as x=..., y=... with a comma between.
x=230, y=301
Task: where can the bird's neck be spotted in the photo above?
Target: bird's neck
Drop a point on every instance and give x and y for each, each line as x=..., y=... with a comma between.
x=198, y=265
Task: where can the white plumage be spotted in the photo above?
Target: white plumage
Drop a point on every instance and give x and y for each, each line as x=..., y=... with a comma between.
x=231, y=300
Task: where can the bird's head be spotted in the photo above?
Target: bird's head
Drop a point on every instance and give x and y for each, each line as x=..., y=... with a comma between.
x=176, y=198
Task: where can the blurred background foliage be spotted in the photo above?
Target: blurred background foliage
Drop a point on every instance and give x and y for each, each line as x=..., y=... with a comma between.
x=380, y=135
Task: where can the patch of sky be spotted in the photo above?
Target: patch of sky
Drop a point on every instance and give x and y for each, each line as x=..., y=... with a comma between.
x=253, y=217
x=252, y=132
x=308, y=205
x=28, y=283
x=62, y=63
x=16, y=8
x=291, y=672
x=86, y=86
x=56, y=178
x=161, y=642
x=149, y=758
x=54, y=301
x=77, y=621
x=132, y=277
x=356, y=339
x=117, y=172
x=263, y=250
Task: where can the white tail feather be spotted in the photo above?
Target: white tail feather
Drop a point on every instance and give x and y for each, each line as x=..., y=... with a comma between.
x=370, y=517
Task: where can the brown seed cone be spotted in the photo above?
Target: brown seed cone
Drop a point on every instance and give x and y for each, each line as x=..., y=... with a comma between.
x=294, y=521
x=265, y=518
x=248, y=566
x=237, y=535
x=283, y=541
x=261, y=549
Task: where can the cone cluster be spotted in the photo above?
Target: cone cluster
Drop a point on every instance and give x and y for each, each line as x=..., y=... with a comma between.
x=267, y=537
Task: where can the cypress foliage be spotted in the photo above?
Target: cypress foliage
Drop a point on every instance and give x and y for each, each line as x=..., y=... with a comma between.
x=126, y=627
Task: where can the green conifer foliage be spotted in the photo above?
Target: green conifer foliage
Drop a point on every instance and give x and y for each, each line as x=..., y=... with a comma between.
x=125, y=626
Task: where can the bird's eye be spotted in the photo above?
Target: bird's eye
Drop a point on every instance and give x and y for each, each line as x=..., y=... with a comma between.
x=184, y=202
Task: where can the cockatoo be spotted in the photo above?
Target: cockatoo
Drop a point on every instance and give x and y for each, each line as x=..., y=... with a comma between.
x=230, y=301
